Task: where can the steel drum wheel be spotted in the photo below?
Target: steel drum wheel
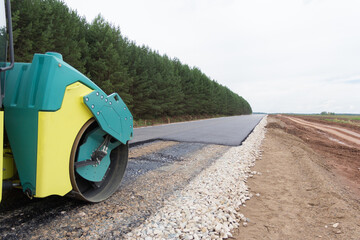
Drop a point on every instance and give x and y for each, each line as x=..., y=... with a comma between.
x=97, y=191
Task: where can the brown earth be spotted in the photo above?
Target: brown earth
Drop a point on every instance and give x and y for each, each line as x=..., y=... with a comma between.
x=344, y=133
x=351, y=124
x=309, y=187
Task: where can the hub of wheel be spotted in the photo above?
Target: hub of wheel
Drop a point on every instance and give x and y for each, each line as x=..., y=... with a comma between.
x=97, y=163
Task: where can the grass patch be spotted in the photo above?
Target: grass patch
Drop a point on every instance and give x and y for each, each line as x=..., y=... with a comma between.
x=346, y=119
x=167, y=120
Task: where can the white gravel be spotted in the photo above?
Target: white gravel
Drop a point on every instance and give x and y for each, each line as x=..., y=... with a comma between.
x=209, y=207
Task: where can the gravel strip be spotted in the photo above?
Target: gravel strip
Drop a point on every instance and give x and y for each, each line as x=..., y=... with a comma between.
x=150, y=179
x=209, y=206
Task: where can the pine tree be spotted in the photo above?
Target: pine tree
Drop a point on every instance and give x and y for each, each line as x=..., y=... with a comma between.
x=152, y=85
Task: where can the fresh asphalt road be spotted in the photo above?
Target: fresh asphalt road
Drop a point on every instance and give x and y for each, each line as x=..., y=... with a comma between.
x=231, y=131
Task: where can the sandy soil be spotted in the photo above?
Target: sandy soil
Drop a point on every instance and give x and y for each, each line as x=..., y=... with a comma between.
x=308, y=189
x=345, y=134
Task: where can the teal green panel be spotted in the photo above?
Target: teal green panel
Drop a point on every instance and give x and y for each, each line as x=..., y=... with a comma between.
x=21, y=126
x=41, y=85
x=112, y=114
x=94, y=173
x=30, y=88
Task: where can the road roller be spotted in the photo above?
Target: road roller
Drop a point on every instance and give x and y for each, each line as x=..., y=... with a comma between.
x=61, y=134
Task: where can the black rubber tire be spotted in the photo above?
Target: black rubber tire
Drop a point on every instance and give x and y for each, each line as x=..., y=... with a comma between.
x=87, y=190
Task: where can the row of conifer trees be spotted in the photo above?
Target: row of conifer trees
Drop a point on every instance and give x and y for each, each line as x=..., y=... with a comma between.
x=152, y=85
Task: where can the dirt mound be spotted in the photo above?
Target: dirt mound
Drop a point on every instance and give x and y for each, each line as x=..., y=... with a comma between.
x=341, y=156
x=308, y=189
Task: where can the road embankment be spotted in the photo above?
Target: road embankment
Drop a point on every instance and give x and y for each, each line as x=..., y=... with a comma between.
x=160, y=175
x=309, y=187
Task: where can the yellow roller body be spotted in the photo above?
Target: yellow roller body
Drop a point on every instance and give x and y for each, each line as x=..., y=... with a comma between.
x=56, y=134
x=9, y=169
x=1, y=149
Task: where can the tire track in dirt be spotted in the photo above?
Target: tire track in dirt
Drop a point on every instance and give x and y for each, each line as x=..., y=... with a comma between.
x=299, y=194
x=339, y=132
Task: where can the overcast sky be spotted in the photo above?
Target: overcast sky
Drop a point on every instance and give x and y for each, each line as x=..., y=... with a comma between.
x=298, y=56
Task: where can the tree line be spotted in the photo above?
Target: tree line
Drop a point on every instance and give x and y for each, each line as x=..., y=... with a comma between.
x=152, y=85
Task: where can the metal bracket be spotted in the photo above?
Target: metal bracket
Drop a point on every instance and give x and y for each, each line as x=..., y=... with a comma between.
x=112, y=114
